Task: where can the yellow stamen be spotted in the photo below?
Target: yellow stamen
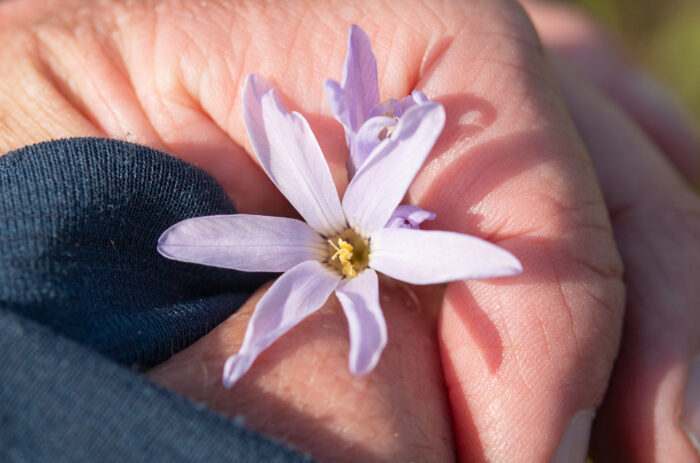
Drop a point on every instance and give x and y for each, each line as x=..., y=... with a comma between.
x=348, y=269
x=343, y=252
x=389, y=131
x=348, y=253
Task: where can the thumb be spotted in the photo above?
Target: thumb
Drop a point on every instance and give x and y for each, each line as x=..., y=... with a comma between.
x=526, y=359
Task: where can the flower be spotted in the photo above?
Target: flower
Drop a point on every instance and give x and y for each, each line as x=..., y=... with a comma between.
x=408, y=216
x=341, y=246
x=367, y=122
x=355, y=101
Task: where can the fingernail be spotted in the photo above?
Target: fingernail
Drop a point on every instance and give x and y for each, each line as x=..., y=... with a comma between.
x=690, y=411
x=573, y=447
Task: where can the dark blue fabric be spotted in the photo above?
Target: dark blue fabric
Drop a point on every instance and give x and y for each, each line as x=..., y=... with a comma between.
x=79, y=224
x=60, y=402
x=84, y=294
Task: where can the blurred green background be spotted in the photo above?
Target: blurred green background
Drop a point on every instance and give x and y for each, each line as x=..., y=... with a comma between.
x=662, y=36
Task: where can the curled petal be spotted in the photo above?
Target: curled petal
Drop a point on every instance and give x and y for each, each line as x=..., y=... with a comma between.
x=427, y=257
x=382, y=180
x=295, y=295
x=417, y=96
x=243, y=242
x=408, y=216
x=359, y=297
x=391, y=108
x=291, y=157
x=373, y=132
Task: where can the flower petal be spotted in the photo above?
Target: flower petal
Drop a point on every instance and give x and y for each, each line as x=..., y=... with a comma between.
x=359, y=78
x=242, y=242
x=359, y=297
x=367, y=139
x=291, y=157
x=390, y=108
x=352, y=101
x=337, y=100
x=295, y=295
x=417, y=96
x=425, y=257
x=408, y=216
x=382, y=181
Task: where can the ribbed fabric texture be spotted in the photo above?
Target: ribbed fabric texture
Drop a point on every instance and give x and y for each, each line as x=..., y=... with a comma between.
x=84, y=294
x=79, y=224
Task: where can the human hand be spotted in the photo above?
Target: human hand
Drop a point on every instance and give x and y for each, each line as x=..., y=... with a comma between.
x=645, y=152
x=483, y=370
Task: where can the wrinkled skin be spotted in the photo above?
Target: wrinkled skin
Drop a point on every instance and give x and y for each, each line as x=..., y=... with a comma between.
x=489, y=370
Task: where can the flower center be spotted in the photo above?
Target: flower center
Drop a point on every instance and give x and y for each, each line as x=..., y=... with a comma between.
x=389, y=129
x=386, y=132
x=348, y=253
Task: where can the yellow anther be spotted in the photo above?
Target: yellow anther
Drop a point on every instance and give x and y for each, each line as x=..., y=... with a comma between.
x=348, y=253
x=343, y=252
x=386, y=132
x=348, y=269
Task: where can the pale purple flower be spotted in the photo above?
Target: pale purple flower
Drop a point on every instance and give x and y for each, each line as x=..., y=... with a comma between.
x=341, y=246
x=368, y=123
x=355, y=101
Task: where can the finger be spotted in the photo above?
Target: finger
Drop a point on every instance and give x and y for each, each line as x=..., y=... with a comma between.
x=654, y=390
x=370, y=419
x=99, y=74
x=282, y=43
x=580, y=218
x=526, y=359
x=32, y=109
x=16, y=11
x=588, y=49
x=301, y=391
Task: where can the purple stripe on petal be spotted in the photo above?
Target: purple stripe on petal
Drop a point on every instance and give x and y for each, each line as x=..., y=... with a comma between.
x=359, y=297
x=294, y=296
x=359, y=77
x=291, y=157
x=243, y=242
x=382, y=181
x=426, y=257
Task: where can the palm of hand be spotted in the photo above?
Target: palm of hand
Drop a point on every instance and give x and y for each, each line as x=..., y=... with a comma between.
x=462, y=364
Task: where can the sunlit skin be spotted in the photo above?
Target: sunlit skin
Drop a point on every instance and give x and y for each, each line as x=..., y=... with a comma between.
x=489, y=370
